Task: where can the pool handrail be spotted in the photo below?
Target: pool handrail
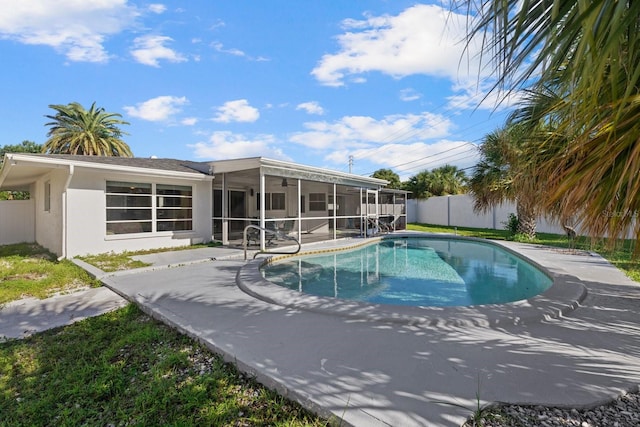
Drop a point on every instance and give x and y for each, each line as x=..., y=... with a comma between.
x=279, y=235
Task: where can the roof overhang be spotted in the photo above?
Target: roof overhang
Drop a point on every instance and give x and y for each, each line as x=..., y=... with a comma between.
x=19, y=170
x=284, y=169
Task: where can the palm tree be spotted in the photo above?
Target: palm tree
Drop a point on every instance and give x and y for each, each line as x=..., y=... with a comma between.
x=92, y=132
x=590, y=53
x=441, y=181
x=389, y=175
x=448, y=179
x=419, y=185
x=506, y=172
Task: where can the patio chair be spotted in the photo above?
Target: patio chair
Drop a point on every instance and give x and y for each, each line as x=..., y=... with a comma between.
x=571, y=235
x=282, y=233
x=253, y=234
x=385, y=225
x=372, y=227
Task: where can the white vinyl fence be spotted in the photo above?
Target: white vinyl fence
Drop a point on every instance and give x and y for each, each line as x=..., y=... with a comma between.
x=17, y=221
x=457, y=211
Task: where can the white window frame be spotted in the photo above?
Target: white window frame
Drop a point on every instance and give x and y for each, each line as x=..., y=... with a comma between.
x=161, y=213
x=315, y=204
x=47, y=196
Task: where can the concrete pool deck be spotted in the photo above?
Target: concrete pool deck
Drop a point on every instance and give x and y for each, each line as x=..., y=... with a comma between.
x=371, y=372
x=379, y=373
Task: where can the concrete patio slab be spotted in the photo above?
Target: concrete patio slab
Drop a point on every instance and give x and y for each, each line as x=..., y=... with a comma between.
x=383, y=373
x=19, y=319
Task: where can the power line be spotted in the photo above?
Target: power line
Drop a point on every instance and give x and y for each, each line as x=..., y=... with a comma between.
x=434, y=163
x=429, y=156
x=389, y=138
x=424, y=166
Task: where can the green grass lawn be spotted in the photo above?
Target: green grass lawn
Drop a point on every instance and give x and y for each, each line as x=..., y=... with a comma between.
x=113, y=261
x=621, y=254
x=123, y=368
x=28, y=270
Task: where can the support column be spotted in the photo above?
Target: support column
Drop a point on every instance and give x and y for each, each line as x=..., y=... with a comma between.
x=299, y=210
x=262, y=210
x=335, y=213
x=225, y=210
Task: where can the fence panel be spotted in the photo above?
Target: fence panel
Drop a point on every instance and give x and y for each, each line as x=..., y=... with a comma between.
x=17, y=221
x=457, y=211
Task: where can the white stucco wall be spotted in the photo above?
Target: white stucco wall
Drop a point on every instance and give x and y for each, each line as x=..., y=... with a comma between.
x=457, y=211
x=86, y=216
x=17, y=221
x=48, y=228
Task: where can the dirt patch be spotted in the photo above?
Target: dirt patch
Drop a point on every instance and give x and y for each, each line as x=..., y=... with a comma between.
x=27, y=276
x=567, y=251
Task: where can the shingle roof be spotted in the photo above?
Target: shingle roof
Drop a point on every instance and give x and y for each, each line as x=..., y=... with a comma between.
x=136, y=162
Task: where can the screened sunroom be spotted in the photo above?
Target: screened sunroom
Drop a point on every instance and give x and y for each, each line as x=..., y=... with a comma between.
x=283, y=199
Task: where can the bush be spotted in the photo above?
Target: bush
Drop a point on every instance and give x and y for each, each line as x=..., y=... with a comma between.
x=511, y=225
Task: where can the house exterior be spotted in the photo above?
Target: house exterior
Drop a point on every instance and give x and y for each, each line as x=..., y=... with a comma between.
x=90, y=204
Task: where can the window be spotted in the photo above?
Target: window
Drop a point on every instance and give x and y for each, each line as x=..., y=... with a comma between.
x=267, y=201
x=47, y=196
x=277, y=201
x=130, y=207
x=272, y=201
x=174, y=207
x=317, y=202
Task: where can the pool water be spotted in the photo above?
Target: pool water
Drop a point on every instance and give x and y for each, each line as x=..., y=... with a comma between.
x=414, y=271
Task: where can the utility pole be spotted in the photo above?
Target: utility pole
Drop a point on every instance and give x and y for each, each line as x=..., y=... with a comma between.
x=350, y=163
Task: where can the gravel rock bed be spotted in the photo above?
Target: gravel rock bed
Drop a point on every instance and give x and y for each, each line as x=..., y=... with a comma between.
x=622, y=412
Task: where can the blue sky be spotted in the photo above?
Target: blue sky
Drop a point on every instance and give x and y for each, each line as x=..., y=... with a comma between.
x=314, y=81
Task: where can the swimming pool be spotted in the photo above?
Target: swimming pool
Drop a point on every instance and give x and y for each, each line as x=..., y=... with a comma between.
x=424, y=271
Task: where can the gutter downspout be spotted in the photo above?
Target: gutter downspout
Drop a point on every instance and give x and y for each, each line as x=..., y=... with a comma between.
x=65, y=196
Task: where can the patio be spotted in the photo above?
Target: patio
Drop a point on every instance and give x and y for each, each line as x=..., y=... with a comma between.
x=379, y=373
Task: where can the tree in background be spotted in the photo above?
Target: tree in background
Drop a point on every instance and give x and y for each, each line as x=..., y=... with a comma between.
x=92, y=132
x=448, y=179
x=590, y=53
x=506, y=171
x=389, y=175
x=442, y=181
x=24, y=147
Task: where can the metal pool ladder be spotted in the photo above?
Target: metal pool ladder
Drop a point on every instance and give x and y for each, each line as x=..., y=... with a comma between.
x=278, y=236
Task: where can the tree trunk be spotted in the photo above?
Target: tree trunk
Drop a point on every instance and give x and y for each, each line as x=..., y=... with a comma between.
x=526, y=220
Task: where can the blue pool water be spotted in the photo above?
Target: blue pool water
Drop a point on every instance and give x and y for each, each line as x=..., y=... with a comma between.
x=414, y=271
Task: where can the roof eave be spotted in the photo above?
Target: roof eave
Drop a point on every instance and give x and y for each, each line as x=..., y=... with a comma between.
x=17, y=159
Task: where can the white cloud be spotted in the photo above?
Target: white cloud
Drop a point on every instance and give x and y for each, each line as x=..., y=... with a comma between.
x=409, y=95
x=189, y=121
x=237, y=111
x=157, y=8
x=219, y=47
x=311, y=107
x=149, y=49
x=481, y=96
x=228, y=145
x=355, y=132
x=409, y=159
x=77, y=29
x=423, y=39
x=157, y=109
